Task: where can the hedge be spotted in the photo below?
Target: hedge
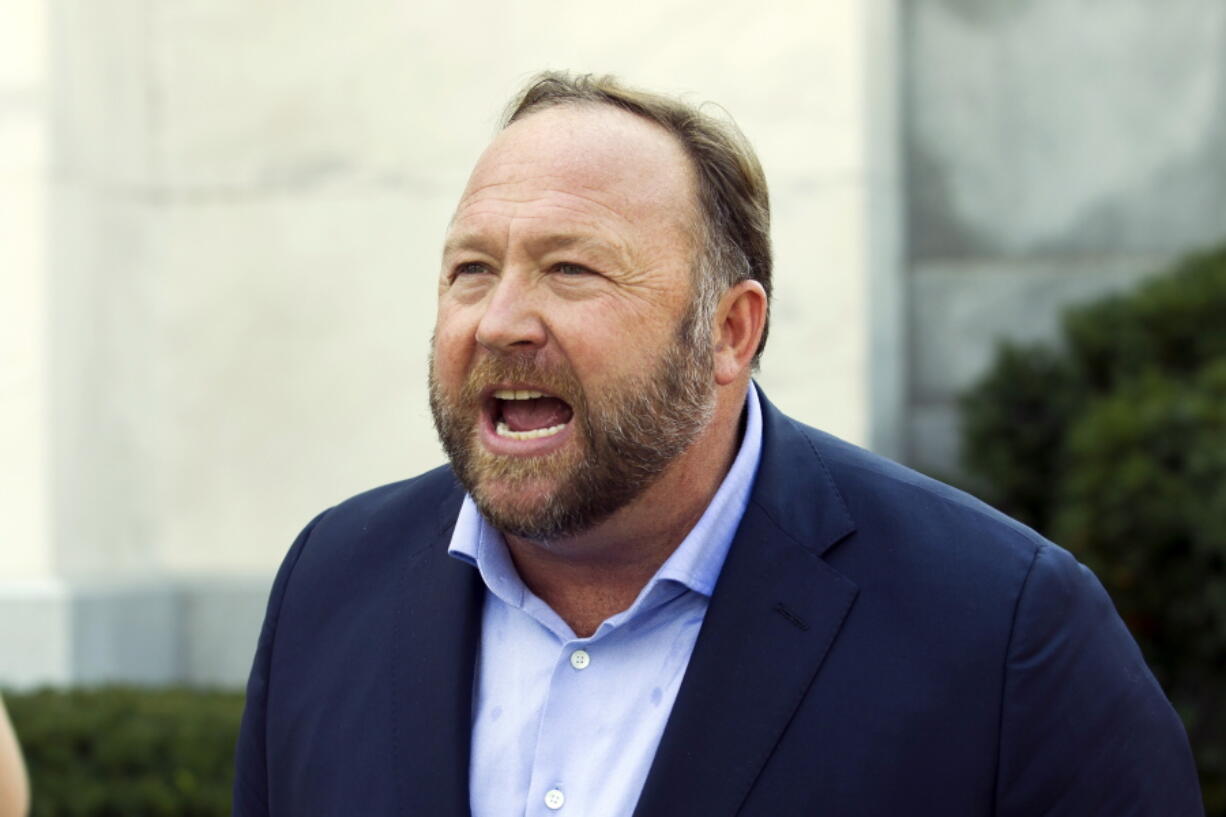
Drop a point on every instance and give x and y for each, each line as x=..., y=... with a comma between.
x=1113, y=443
x=128, y=752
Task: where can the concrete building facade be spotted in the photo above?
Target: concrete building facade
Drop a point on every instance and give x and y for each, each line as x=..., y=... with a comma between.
x=1055, y=151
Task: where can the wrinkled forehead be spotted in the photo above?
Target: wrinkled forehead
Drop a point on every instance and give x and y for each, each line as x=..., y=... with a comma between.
x=596, y=155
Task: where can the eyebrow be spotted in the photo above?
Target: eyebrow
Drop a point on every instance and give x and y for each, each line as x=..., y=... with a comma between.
x=465, y=241
x=537, y=246
x=565, y=241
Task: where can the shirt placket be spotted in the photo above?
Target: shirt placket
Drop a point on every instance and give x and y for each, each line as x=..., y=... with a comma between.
x=571, y=711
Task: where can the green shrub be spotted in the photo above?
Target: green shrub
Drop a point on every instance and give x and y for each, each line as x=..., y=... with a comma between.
x=128, y=752
x=1042, y=394
x=1114, y=445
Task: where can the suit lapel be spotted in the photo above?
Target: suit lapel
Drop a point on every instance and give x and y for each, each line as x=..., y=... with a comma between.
x=775, y=612
x=434, y=650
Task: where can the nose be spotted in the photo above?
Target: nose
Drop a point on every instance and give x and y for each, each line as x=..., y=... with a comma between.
x=512, y=319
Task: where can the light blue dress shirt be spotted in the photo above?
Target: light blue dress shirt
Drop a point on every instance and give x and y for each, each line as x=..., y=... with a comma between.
x=569, y=726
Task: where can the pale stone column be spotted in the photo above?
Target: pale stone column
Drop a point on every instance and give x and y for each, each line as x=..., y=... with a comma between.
x=82, y=598
x=26, y=551
x=33, y=627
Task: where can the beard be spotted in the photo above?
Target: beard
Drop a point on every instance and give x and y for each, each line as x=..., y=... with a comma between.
x=625, y=437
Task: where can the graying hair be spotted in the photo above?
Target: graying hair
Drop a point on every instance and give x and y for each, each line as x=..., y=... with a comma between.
x=734, y=236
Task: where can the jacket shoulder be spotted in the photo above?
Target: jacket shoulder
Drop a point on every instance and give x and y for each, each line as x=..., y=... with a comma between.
x=427, y=503
x=857, y=469
x=911, y=536
x=991, y=642
x=376, y=528
x=880, y=491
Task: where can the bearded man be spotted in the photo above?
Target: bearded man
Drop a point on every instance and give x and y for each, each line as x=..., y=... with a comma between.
x=638, y=588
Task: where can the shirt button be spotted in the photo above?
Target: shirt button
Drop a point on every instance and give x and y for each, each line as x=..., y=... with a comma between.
x=579, y=659
x=554, y=799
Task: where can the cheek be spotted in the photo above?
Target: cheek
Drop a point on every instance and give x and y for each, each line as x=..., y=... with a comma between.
x=620, y=336
x=603, y=360
x=452, y=351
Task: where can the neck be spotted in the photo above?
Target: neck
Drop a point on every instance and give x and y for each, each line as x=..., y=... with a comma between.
x=588, y=577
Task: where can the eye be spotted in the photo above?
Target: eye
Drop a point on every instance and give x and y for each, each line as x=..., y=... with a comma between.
x=570, y=269
x=468, y=268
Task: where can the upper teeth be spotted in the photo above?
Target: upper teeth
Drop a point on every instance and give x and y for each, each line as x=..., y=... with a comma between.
x=517, y=394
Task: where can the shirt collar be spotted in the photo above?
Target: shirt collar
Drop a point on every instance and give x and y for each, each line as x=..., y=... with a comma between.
x=695, y=563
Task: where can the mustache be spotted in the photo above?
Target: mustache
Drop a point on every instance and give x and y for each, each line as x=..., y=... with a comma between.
x=558, y=380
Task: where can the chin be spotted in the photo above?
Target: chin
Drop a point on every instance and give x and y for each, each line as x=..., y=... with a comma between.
x=516, y=497
x=516, y=503
x=542, y=510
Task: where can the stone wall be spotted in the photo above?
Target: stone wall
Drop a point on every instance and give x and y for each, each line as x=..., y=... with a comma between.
x=1055, y=150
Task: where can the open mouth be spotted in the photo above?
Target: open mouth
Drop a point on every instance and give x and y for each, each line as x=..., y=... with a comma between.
x=526, y=414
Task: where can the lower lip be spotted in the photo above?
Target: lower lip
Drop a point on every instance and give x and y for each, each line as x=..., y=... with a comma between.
x=506, y=446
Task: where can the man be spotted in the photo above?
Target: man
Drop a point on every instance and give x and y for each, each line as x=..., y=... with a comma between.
x=641, y=589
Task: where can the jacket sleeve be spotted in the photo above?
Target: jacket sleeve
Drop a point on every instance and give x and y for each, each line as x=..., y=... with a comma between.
x=1085, y=729
x=251, y=760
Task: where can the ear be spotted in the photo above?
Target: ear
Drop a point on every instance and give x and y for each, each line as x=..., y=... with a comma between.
x=739, y=321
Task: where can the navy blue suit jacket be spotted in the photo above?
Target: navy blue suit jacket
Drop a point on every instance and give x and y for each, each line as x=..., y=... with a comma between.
x=877, y=644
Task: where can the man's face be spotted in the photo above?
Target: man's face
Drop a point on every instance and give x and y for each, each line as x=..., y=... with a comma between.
x=569, y=367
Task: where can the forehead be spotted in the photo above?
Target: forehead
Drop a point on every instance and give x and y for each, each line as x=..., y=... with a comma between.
x=583, y=166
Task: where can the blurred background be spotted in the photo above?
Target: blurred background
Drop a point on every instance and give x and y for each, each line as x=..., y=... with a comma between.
x=220, y=224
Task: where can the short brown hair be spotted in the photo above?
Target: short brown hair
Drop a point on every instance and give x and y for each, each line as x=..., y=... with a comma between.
x=733, y=198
